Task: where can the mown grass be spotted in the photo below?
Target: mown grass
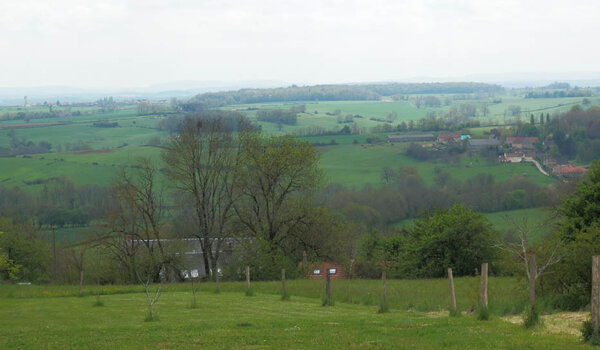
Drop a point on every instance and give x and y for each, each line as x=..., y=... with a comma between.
x=232, y=321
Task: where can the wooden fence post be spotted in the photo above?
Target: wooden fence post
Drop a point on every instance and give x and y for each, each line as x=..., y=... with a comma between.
x=596, y=292
x=248, y=280
x=452, y=295
x=285, y=295
x=483, y=289
x=327, y=288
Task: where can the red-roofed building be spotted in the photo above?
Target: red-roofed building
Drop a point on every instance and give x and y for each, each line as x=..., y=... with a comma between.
x=569, y=170
x=319, y=270
x=522, y=142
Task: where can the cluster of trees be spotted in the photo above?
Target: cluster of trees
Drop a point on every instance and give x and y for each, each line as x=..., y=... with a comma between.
x=105, y=124
x=280, y=116
x=231, y=120
x=559, y=93
x=226, y=184
x=292, y=93
x=404, y=195
x=19, y=146
x=432, y=88
x=456, y=237
x=338, y=92
x=27, y=115
x=574, y=134
x=148, y=108
x=58, y=203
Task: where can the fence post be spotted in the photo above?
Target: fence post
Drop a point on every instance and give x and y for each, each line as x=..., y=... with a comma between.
x=248, y=280
x=285, y=295
x=596, y=292
x=327, y=288
x=452, y=295
x=483, y=297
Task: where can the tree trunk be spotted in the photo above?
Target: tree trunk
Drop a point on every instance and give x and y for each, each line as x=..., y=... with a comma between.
x=532, y=278
x=80, y=280
x=596, y=292
x=206, y=261
x=247, y=277
x=214, y=268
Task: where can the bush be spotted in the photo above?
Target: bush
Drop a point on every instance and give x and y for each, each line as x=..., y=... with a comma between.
x=531, y=318
x=483, y=313
x=588, y=334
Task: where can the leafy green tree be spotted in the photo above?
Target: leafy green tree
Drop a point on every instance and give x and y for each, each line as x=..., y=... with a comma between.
x=275, y=180
x=23, y=254
x=457, y=237
x=582, y=209
x=570, y=280
x=8, y=269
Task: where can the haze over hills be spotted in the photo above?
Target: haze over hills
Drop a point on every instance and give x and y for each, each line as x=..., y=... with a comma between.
x=189, y=88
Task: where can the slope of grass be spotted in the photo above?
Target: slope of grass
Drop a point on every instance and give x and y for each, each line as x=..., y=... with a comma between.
x=233, y=321
x=357, y=165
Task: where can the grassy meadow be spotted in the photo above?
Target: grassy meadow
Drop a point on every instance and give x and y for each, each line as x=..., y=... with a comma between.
x=51, y=317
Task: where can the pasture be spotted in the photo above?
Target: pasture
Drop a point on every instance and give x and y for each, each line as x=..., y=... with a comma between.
x=50, y=317
x=357, y=165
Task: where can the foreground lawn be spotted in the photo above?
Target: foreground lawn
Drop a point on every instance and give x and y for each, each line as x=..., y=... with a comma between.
x=233, y=321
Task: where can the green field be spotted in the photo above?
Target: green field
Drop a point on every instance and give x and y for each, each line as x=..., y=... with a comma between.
x=231, y=320
x=358, y=165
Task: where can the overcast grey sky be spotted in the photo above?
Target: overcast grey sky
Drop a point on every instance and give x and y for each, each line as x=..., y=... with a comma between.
x=119, y=43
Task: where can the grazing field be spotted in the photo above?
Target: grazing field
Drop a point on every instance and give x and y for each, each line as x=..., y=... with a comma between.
x=231, y=320
x=358, y=165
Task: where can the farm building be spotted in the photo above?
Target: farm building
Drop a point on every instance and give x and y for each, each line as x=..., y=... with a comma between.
x=516, y=157
x=569, y=170
x=411, y=138
x=522, y=142
x=482, y=143
x=448, y=138
x=319, y=270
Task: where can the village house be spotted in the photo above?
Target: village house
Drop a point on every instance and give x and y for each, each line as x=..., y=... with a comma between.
x=319, y=270
x=448, y=138
x=411, y=138
x=516, y=157
x=521, y=142
x=569, y=170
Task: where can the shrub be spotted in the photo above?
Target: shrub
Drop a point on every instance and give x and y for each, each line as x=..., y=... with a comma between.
x=483, y=313
x=531, y=318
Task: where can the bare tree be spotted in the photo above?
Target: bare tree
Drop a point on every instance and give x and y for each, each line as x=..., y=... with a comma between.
x=201, y=160
x=528, y=254
x=137, y=219
x=136, y=223
x=77, y=256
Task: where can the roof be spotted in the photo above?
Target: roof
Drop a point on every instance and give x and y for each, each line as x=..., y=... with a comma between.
x=448, y=137
x=484, y=142
x=521, y=140
x=570, y=169
x=411, y=137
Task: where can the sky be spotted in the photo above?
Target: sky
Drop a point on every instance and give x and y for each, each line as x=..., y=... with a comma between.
x=119, y=43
